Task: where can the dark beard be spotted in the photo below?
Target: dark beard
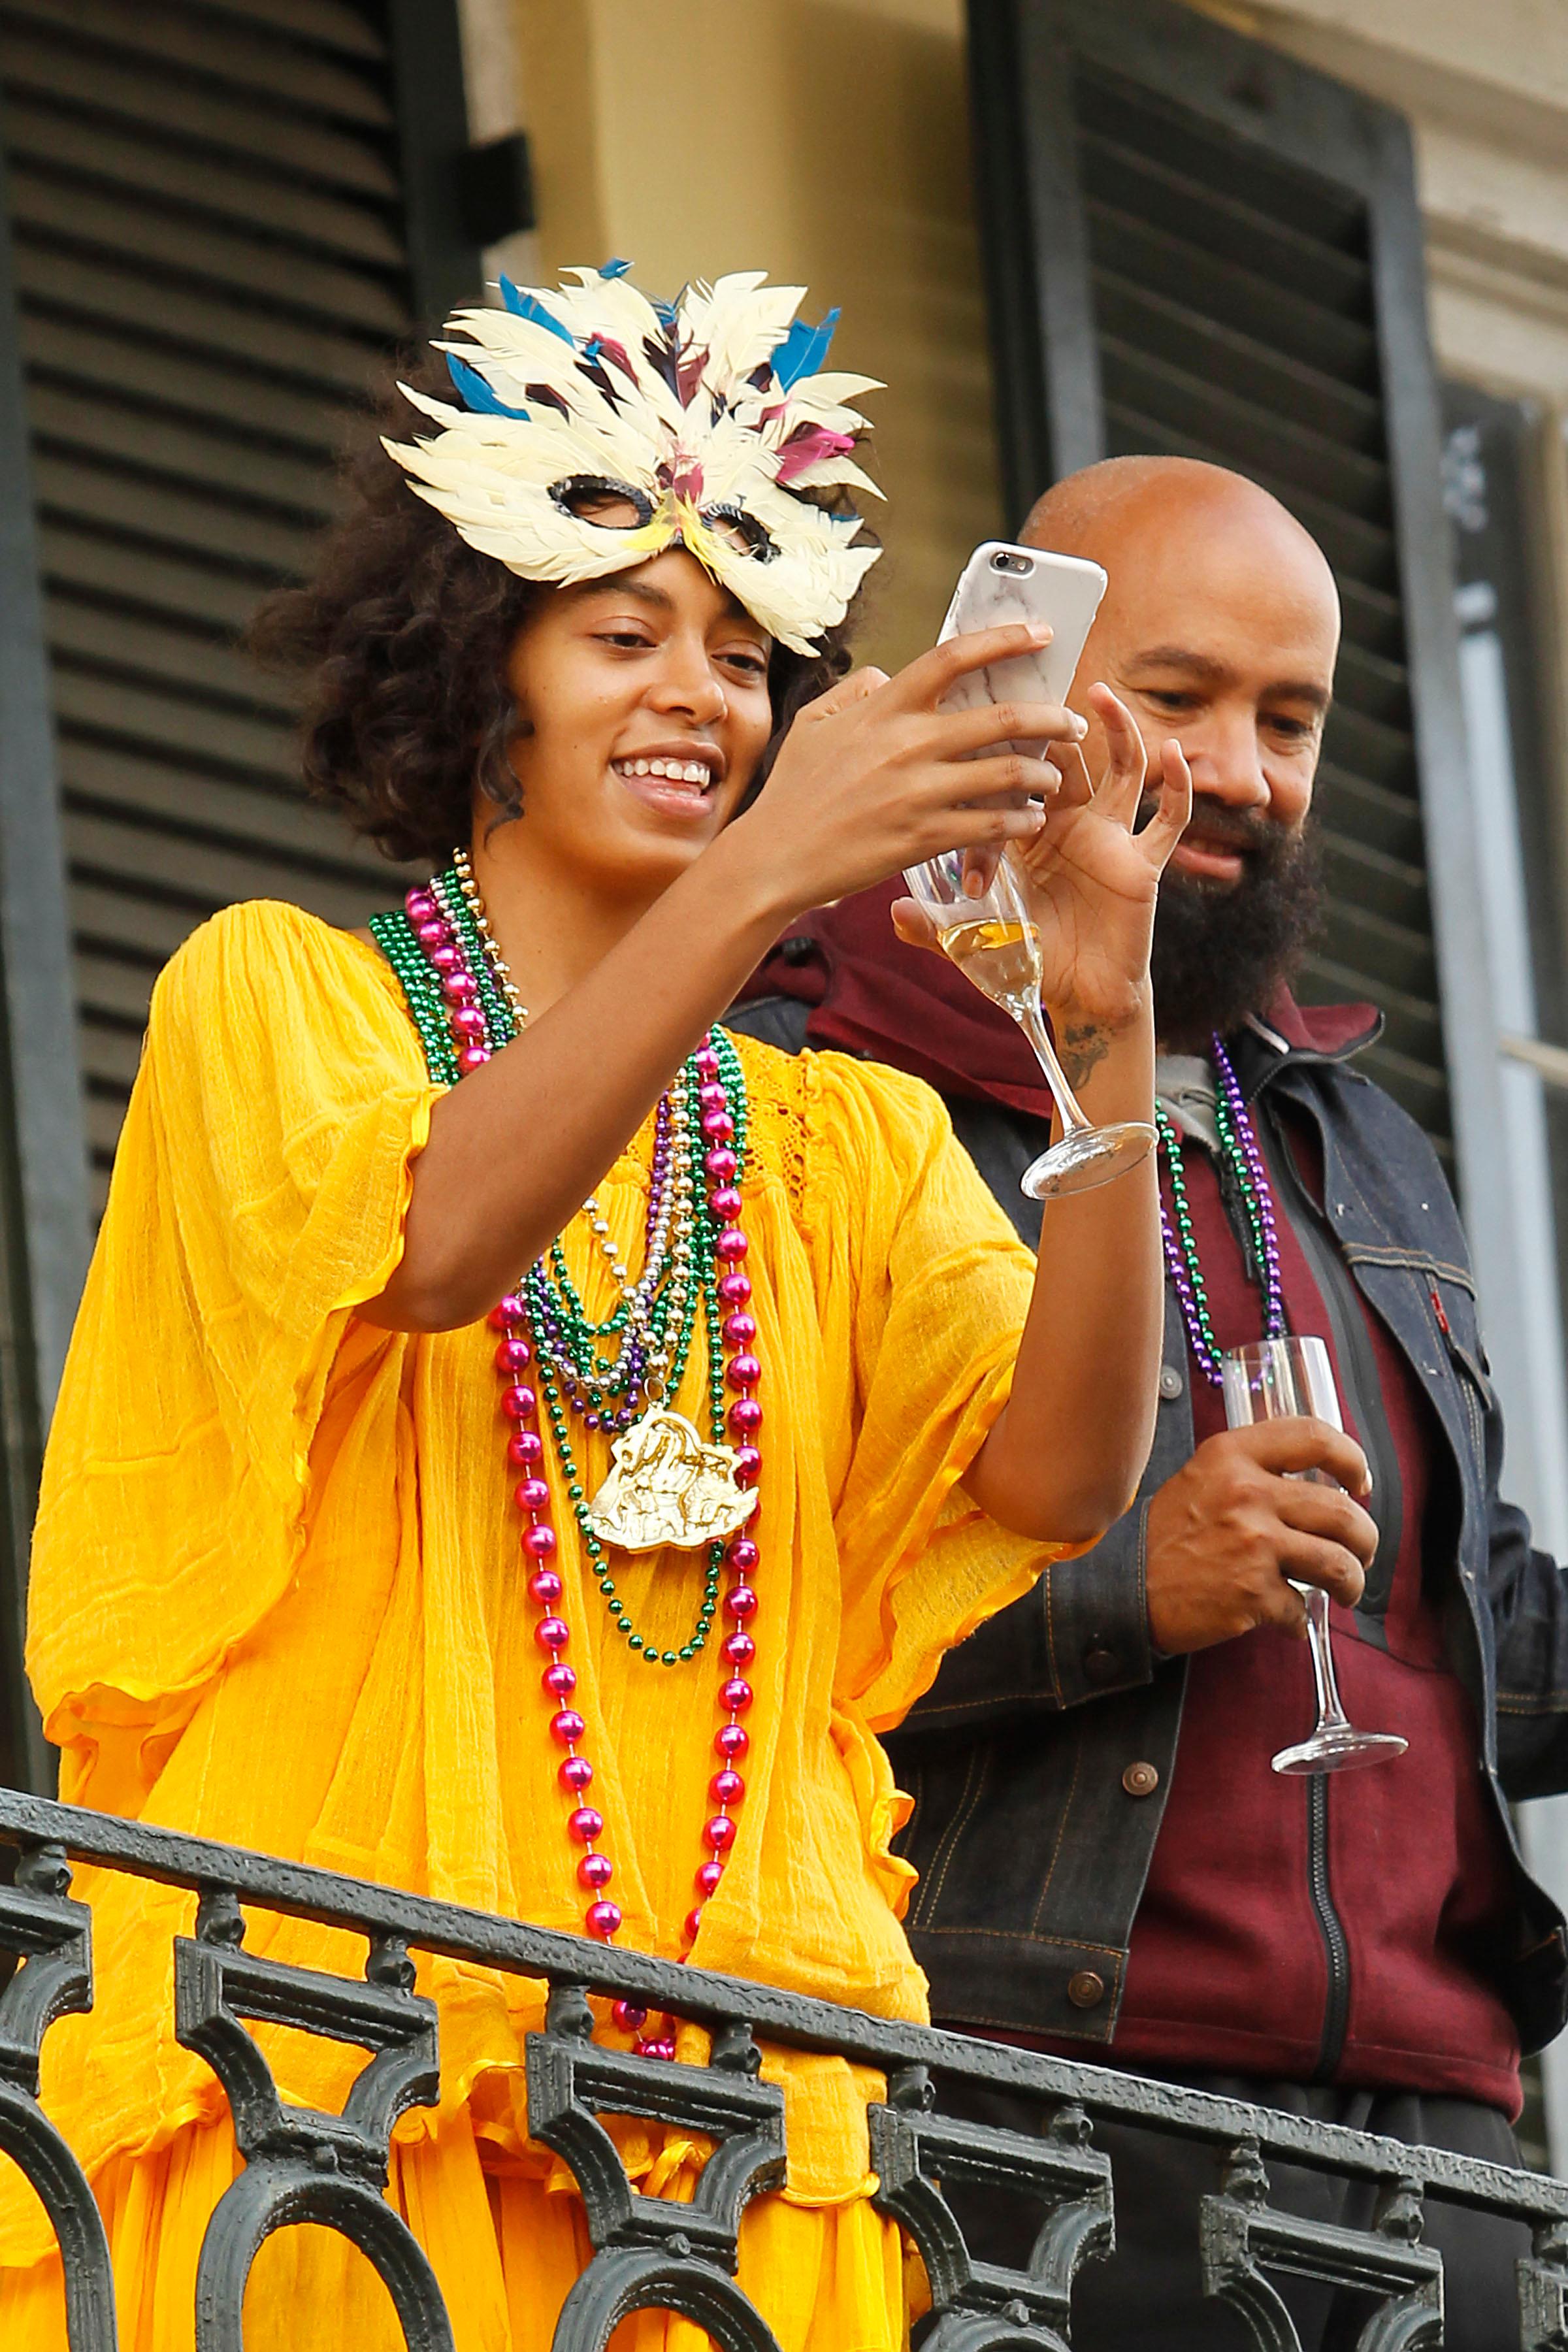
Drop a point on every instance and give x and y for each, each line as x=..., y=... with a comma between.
x=1223, y=951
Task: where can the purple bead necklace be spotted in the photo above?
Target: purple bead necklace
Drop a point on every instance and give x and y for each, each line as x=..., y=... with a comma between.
x=445, y=975
x=1238, y=1143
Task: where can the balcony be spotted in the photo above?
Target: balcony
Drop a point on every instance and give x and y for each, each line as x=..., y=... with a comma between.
x=302, y=2166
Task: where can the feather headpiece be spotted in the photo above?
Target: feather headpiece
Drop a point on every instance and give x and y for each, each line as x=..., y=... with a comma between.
x=593, y=428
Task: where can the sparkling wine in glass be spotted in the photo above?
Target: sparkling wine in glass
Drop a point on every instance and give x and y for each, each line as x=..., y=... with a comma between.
x=1274, y=1380
x=994, y=941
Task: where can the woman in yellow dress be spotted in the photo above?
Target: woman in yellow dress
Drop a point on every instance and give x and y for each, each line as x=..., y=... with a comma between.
x=332, y=1559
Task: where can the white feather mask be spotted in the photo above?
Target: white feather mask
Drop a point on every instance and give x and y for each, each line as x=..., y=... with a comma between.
x=699, y=423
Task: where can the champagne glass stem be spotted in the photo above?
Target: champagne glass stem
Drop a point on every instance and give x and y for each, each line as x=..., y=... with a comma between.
x=1331, y=1716
x=1032, y=1022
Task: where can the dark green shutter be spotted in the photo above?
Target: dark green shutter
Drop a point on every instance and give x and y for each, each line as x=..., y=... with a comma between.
x=220, y=215
x=1197, y=247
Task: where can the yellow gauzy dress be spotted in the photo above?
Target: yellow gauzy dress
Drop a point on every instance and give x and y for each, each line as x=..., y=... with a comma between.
x=278, y=1599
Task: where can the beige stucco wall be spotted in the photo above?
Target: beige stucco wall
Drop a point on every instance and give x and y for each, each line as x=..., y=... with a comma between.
x=826, y=141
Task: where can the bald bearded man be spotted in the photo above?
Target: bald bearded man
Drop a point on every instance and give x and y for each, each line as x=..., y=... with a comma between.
x=1107, y=1863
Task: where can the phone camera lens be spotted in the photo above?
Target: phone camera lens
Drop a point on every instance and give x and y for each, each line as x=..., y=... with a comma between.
x=1004, y=561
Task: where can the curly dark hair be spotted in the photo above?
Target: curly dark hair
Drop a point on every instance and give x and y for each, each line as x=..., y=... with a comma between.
x=401, y=633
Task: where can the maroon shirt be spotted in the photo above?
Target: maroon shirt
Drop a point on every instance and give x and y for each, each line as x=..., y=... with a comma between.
x=1228, y=1969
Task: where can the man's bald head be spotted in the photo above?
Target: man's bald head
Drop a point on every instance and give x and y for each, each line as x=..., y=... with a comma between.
x=1219, y=628
x=1129, y=511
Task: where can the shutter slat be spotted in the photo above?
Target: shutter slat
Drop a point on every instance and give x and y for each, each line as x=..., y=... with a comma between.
x=196, y=117
x=189, y=663
x=198, y=46
x=1241, y=300
x=1351, y=545
x=111, y=988
x=330, y=24
x=116, y=709
x=135, y=857
x=61, y=139
x=1387, y=821
x=1366, y=877
x=179, y=451
x=78, y=558
x=279, y=824
x=71, y=486
x=1187, y=205
x=99, y=357
x=140, y=234
x=1283, y=195
x=66, y=285
x=1206, y=411
x=1141, y=317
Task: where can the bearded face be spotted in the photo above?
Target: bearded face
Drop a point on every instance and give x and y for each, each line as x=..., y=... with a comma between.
x=1223, y=950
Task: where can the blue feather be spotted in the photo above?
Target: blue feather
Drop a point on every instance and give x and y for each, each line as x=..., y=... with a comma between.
x=803, y=349
x=666, y=314
x=476, y=392
x=613, y=269
x=522, y=305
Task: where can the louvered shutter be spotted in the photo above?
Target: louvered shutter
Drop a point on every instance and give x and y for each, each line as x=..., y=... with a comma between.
x=216, y=219
x=211, y=253
x=1198, y=248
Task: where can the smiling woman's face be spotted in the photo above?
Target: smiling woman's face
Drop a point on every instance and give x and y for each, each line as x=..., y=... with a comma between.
x=646, y=698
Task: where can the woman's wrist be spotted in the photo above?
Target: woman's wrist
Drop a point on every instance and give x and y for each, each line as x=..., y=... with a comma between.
x=759, y=886
x=1088, y=1037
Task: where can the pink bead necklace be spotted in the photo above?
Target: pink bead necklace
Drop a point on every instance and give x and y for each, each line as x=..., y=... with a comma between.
x=461, y=992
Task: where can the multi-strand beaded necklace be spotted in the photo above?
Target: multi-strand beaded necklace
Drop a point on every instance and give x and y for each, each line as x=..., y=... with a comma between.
x=1239, y=1148
x=555, y=1360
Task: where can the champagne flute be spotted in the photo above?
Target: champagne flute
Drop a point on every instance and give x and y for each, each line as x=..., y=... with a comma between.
x=995, y=943
x=1273, y=1379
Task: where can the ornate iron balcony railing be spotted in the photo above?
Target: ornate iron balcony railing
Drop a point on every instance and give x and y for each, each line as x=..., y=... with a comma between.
x=650, y=2252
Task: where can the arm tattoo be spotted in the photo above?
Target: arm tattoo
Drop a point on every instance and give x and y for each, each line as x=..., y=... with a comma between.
x=1081, y=1050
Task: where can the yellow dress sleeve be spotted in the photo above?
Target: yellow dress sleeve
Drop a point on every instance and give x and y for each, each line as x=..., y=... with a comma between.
x=926, y=1288
x=258, y=1197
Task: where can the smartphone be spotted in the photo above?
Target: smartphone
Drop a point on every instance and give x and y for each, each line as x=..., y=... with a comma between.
x=1000, y=583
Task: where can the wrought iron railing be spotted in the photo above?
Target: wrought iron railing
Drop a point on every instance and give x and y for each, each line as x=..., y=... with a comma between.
x=300, y=2165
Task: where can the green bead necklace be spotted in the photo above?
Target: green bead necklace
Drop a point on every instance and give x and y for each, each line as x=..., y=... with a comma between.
x=576, y=1368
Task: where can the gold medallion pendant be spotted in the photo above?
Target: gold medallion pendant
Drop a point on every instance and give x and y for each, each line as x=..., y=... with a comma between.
x=667, y=1487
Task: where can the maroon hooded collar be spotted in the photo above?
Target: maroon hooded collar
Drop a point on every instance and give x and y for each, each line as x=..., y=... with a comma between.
x=870, y=994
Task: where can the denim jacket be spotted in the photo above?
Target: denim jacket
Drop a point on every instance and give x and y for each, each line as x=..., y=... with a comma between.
x=1032, y=1848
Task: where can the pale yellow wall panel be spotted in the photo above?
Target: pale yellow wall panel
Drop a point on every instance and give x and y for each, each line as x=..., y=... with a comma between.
x=826, y=141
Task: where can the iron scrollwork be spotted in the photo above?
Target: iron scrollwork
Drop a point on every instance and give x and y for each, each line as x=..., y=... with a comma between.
x=1242, y=2236
x=653, y=2253
x=302, y=2163
x=51, y=1935
x=980, y=2306
x=1543, y=2291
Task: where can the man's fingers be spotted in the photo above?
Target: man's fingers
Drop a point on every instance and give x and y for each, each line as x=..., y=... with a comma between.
x=1324, y=1510
x=1312, y=1560
x=1078, y=785
x=914, y=926
x=1121, y=788
x=1286, y=1609
x=1174, y=812
x=1296, y=1445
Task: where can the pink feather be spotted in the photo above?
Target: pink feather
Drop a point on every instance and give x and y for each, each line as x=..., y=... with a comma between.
x=809, y=446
